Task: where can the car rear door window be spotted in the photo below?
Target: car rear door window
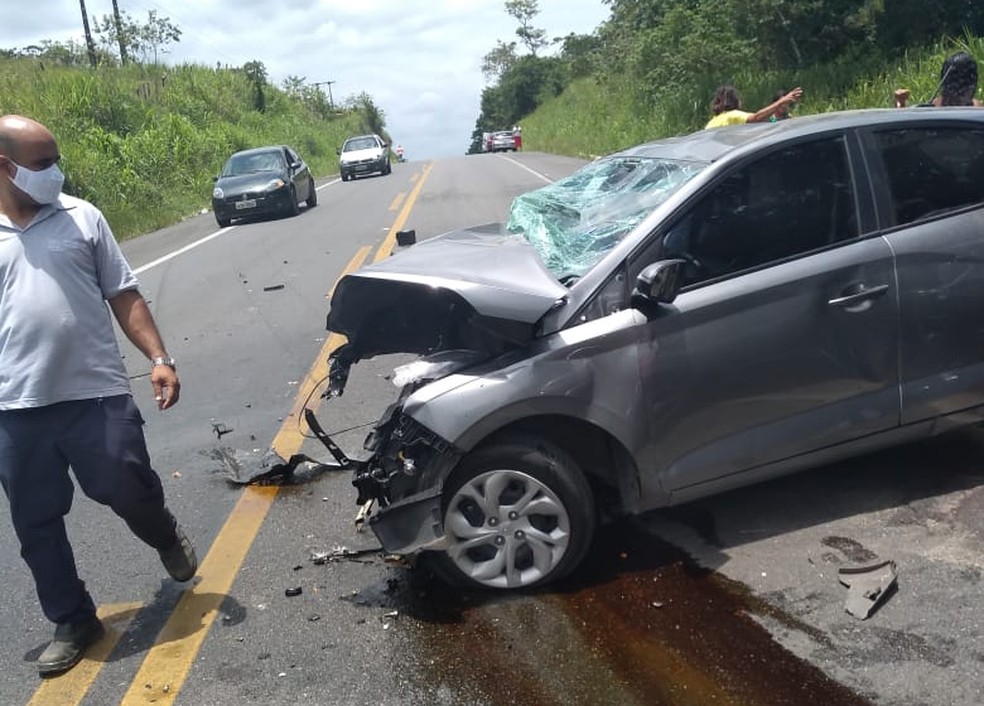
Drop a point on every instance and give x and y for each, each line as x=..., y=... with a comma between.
x=794, y=200
x=930, y=171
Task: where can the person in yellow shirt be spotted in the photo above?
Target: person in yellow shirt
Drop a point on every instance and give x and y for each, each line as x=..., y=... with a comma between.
x=727, y=107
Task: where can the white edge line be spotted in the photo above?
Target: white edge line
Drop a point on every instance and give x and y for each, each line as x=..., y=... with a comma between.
x=191, y=246
x=180, y=251
x=531, y=171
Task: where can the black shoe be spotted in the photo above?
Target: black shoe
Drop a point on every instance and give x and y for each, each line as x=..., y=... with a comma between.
x=180, y=560
x=69, y=644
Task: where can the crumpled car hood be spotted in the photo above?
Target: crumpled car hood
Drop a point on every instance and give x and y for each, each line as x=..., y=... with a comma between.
x=480, y=289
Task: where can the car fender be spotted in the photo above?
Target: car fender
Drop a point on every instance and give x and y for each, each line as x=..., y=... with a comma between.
x=588, y=373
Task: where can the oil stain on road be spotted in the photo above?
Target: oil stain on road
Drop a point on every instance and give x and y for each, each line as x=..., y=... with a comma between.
x=640, y=624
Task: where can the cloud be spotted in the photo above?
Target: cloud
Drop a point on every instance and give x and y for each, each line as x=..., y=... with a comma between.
x=418, y=59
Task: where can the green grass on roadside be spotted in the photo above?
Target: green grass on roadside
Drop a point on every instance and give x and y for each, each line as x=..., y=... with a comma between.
x=592, y=118
x=144, y=143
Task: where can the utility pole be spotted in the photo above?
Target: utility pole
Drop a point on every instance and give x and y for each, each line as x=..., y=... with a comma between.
x=90, y=45
x=119, y=32
x=331, y=103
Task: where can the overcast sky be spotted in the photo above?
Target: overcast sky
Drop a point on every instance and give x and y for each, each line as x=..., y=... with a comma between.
x=418, y=59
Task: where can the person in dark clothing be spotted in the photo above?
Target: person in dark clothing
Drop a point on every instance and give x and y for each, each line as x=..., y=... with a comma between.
x=64, y=393
x=958, y=84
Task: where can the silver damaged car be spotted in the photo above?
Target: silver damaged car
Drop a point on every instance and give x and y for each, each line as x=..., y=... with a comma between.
x=672, y=321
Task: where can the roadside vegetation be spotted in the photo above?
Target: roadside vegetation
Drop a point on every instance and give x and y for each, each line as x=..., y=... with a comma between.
x=143, y=141
x=650, y=70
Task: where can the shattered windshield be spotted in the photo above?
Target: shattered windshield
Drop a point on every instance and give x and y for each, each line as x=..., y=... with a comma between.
x=572, y=223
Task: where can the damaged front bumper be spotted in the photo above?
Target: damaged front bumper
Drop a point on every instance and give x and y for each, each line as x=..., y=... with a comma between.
x=400, y=483
x=410, y=525
x=403, y=479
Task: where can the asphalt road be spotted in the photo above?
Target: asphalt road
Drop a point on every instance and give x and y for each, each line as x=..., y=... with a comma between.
x=753, y=572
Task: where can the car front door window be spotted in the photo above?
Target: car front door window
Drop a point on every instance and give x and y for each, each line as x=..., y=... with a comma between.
x=793, y=201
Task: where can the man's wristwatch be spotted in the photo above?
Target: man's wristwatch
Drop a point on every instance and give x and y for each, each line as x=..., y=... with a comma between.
x=164, y=360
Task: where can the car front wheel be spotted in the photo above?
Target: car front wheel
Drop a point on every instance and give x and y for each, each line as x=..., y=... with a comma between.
x=293, y=208
x=312, y=197
x=517, y=513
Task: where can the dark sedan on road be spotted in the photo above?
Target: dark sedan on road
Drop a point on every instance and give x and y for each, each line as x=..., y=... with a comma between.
x=262, y=181
x=672, y=321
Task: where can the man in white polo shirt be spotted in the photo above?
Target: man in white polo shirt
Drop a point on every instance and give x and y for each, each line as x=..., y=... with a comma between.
x=64, y=395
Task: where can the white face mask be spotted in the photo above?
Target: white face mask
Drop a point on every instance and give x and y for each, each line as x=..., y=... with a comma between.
x=43, y=186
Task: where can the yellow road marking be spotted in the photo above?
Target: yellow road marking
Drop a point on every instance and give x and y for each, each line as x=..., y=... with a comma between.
x=166, y=666
x=70, y=688
x=387, y=247
x=397, y=201
x=354, y=264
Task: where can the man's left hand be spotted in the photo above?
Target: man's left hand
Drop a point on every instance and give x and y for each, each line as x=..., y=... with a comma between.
x=166, y=386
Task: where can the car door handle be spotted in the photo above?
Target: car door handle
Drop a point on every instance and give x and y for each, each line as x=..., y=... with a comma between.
x=862, y=294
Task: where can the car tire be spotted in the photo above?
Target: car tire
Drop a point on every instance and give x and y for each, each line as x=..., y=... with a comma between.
x=223, y=222
x=312, y=197
x=293, y=208
x=493, y=540
x=389, y=168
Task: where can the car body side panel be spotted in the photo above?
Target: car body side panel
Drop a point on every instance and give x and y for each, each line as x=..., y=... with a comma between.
x=761, y=367
x=588, y=372
x=941, y=282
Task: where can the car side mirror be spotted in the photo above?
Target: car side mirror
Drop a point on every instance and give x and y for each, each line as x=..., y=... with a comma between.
x=295, y=165
x=215, y=178
x=338, y=150
x=659, y=283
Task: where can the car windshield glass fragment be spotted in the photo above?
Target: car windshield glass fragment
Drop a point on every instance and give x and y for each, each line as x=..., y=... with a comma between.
x=252, y=163
x=364, y=143
x=575, y=221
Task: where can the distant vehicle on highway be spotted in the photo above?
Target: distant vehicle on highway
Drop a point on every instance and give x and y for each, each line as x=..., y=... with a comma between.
x=262, y=181
x=673, y=321
x=503, y=141
x=365, y=154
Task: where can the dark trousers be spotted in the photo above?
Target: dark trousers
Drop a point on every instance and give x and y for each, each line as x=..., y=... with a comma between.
x=102, y=441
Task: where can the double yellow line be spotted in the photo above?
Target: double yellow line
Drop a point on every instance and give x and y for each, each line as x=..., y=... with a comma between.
x=166, y=666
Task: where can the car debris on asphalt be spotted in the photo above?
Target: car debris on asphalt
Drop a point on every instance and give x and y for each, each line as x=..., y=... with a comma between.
x=868, y=586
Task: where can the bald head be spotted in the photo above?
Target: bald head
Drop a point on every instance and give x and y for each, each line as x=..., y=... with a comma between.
x=23, y=139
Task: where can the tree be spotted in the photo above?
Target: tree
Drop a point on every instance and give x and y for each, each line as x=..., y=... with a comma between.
x=310, y=95
x=373, y=118
x=524, y=11
x=580, y=52
x=256, y=74
x=134, y=38
x=498, y=61
x=157, y=33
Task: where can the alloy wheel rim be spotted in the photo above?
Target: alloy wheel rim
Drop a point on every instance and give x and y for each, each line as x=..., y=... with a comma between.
x=506, y=529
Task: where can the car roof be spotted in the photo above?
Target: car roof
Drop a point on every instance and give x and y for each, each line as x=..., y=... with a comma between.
x=360, y=137
x=710, y=145
x=261, y=150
